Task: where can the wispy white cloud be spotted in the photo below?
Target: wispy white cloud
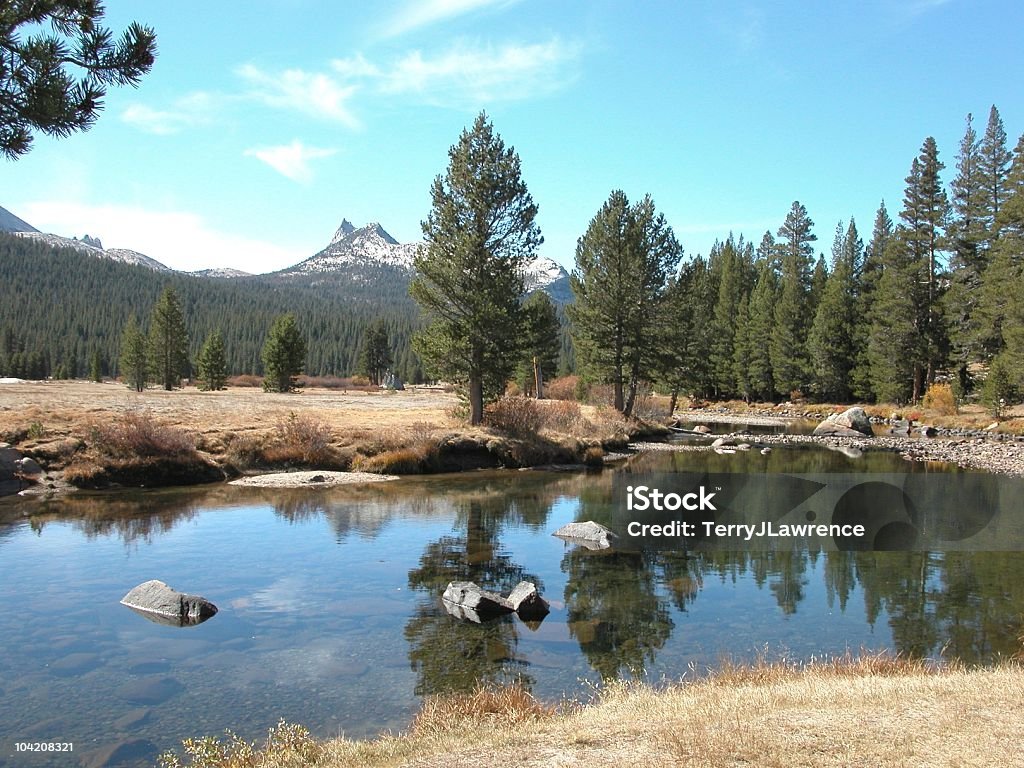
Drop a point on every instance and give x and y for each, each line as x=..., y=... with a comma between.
x=291, y=160
x=180, y=239
x=467, y=74
x=421, y=13
x=311, y=93
x=187, y=112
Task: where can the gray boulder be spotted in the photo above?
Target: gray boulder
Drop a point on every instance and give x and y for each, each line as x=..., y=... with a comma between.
x=853, y=422
x=164, y=605
x=589, y=534
x=466, y=600
x=28, y=467
x=527, y=602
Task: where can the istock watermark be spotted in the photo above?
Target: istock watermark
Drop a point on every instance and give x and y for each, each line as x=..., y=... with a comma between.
x=852, y=511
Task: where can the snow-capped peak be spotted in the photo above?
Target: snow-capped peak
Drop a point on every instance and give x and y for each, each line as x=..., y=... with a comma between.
x=343, y=231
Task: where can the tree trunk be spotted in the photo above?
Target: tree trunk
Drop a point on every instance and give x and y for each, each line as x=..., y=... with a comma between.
x=476, y=401
x=618, y=395
x=672, y=402
x=538, y=379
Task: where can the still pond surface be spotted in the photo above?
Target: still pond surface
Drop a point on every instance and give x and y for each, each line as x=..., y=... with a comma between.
x=330, y=611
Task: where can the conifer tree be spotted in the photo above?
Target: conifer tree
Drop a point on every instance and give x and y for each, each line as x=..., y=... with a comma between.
x=95, y=367
x=870, y=275
x=924, y=215
x=168, y=341
x=788, y=348
x=894, y=341
x=212, y=364
x=480, y=233
x=542, y=335
x=831, y=340
x=761, y=325
x=967, y=235
x=53, y=80
x=284, y=355
x=134, y=359
x=623, y=262
x=742, y=351
x=993, y=164
x=376, y=358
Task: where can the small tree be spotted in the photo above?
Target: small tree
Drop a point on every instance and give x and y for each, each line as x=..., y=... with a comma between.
x=213, y=369
x=168, y=341
x=134, y=361
x=998, y=391
x=541, y=332
x=284, y=355
x=55, y=82
x=376, y=358
x=96, y=367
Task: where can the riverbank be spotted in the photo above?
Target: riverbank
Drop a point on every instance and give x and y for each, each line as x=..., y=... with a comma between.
x=91, y=435
x=871, y=711
x=956, y=443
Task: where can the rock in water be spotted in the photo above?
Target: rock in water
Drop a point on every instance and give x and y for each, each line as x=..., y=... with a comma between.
x=590, y=534
x=467, y=596
x=527, y=602
x=158, y=602
x=853, y=422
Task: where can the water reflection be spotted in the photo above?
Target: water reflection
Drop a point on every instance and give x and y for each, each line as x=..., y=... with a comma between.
x=452, y=655
x=331, y=608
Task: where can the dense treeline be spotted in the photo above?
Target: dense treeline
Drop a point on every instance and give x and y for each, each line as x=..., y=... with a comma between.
x=58, y=308
x=933, y=295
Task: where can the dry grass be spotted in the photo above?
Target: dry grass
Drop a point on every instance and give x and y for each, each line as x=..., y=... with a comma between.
x=869, y=711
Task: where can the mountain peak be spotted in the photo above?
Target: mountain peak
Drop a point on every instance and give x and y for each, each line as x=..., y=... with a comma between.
x=343, y=231
x=11, y=223
x=376, y=229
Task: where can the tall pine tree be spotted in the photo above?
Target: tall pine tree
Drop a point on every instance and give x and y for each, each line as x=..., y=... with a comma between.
x=480, y=233
x=790, y=364
x=168, y=341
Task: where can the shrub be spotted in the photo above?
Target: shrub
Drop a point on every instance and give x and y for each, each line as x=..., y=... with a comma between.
x=245, y=380
x=562, y=388
x=301, y=440
x=998, y=390
x=286, y=744
x=136, y=434
x=563, y=416
x=514, y=416
x=941, y=399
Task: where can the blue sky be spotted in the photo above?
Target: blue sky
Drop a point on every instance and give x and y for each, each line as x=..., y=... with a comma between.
x=264, y=123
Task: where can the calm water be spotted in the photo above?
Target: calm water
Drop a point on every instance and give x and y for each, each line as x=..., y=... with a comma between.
x=330, y=611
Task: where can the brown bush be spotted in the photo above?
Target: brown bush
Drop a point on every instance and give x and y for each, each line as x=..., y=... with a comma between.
x=562, y=388
x=245, y=380
x=563, y=416
x=301, y=440
x=136, y=434
x=939, y=398
x=514, y=416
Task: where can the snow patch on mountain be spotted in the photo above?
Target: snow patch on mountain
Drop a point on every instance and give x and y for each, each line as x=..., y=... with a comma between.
x=124, y=255
x=221, y=273
x=350, y=248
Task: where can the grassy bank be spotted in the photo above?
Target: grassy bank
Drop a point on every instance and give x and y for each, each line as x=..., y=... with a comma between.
x=95, y=435
x=870, y=711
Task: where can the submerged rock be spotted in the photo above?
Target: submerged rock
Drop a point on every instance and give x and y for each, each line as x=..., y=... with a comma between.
x=164, y=605
x=526, y=601
x=590, y=534
x=466, y=600
x=853, y=422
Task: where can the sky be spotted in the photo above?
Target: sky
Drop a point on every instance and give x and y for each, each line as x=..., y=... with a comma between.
x=264, y=123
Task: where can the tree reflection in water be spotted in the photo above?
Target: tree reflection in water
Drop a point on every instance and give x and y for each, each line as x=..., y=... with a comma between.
x=452, y=655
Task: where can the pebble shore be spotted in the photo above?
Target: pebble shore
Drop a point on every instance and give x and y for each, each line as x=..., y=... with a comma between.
x=972, y=449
